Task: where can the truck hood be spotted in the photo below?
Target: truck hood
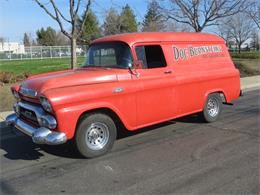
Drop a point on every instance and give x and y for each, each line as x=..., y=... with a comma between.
x=86, y=76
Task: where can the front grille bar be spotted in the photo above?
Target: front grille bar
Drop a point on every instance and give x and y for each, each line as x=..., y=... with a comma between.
x=43, y=118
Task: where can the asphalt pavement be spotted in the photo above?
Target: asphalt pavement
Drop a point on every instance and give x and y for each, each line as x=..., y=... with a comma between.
x=179, y=156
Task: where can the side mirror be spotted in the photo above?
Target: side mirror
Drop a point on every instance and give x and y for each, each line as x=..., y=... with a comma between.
x=138, y=64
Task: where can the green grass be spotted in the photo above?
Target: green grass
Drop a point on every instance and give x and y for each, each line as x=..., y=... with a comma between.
x=245, y=55
x=32, y=67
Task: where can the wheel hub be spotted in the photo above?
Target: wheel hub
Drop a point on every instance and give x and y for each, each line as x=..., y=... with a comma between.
x=97, y=136
x=212, y=107
x=93, y=135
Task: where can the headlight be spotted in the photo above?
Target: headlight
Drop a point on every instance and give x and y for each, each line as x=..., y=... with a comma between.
x=16, y=95
x=45, y=104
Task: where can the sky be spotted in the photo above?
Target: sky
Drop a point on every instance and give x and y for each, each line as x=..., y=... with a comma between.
x=20, y=16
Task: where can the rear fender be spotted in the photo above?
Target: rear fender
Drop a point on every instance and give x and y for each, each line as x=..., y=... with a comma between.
x=220, y=91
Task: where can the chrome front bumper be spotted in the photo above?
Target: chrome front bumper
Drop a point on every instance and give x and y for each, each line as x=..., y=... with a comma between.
x=41, y=135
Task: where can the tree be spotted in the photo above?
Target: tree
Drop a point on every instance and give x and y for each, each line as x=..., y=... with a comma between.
x=46, y=37
x=255, y=41
x=153, y=20
x=174, y=26
x=61, y=39
x=91, y=29
x=224, y=32
x=34, y=43
x=112, y=24
x=26, y=40
x=254, y=13
x=240, y=29
x=200, y=14
x=75, y=28
x=127, y=20
x=2, y=40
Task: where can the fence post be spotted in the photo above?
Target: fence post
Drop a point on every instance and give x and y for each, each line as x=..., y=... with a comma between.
x=10, y=53
x=50, y=51
x=31, y=51
x=41, y=52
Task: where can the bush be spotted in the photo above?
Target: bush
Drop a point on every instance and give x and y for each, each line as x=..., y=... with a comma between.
x=9, y=77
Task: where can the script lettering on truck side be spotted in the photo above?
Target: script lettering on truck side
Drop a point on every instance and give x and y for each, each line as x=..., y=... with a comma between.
x=188, y=52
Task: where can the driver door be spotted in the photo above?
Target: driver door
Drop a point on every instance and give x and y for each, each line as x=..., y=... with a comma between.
x=155, y=92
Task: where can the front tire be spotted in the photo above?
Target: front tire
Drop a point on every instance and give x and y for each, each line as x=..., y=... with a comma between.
x=95, y=135
x=212, y=108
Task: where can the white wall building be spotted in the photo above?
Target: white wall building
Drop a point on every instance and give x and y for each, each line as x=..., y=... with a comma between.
x=12, y=47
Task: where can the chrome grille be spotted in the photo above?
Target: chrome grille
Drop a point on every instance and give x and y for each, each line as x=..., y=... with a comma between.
x=30, y=115
x=34, y=114
x=26, y=111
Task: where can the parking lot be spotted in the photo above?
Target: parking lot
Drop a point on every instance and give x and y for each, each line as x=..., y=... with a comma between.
x=178, y=156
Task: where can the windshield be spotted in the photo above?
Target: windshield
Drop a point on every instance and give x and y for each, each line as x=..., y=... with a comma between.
x=109, y=55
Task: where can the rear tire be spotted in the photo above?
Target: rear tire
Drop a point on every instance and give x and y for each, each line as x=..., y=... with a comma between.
x=95, y=135
x=212, y=108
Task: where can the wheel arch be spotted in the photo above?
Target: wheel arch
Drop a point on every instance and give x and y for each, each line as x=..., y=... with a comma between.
x=104, y=110
x=219, y=91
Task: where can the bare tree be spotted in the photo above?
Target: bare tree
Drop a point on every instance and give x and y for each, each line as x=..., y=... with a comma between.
x=174, y=26
x=112, y=23
x=200, y=14
x=239, y=28
x=76, y=28
x=255, y=41
x=224, y=32
x=61, y=39
x=254, y=12
x=2, y=40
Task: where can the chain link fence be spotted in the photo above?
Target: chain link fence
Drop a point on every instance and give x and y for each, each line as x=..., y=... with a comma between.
x=41, y=52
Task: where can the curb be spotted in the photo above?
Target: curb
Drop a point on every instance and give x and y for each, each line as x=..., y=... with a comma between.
x=250, y=83
x=3, y=115
x=251, y=88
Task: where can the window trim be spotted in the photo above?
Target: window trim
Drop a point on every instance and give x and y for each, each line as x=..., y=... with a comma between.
x=149, y=44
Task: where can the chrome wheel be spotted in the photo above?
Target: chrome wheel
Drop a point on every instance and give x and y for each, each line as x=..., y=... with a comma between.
x=97, y=136
x=213, y=107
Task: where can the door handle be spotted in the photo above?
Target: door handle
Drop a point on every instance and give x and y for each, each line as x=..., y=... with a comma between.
x=168, y=72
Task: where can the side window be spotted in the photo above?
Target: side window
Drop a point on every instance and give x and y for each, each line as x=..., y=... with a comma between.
x=151, y=55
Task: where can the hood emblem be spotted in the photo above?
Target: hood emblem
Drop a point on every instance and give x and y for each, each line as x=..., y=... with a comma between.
x=28, y=92
x=118, y=90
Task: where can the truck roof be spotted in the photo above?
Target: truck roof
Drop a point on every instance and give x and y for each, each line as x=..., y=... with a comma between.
x=132, y=38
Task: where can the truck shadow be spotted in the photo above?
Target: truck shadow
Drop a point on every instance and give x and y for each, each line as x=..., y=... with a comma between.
x=187, y=119
x=194, y=118
x=20, y=147
x=16, y=145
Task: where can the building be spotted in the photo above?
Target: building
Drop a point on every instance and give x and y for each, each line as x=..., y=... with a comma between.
x=11, y=47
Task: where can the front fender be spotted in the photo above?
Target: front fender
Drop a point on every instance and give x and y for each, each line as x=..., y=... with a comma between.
x=67, y=118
